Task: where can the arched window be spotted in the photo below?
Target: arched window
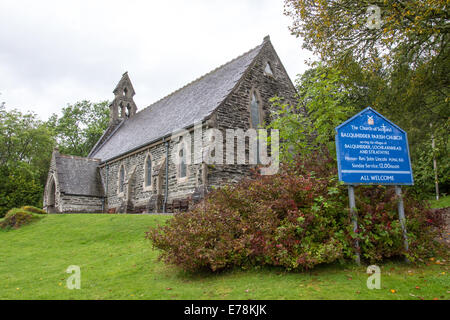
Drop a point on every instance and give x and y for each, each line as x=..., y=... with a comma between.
x=183, y=166
x=148, y=171
x=255, y=119
x=121, y=178
x=127, y=112
x=255, y=112
x=268, y=69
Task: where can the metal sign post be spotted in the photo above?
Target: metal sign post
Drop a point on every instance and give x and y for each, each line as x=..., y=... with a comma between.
x=351, y=197
x=401, y=215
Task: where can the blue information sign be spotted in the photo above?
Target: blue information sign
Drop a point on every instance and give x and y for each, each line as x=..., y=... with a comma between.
x=372, y=150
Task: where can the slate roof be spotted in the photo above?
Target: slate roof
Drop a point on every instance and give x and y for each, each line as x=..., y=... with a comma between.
x=78, y=176
x=182, y=108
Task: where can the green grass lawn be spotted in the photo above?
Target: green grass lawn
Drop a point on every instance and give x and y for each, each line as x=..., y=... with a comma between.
x=443, y=202
x=118, y=263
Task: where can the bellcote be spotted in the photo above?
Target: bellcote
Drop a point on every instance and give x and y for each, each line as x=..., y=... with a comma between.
x=123, y=106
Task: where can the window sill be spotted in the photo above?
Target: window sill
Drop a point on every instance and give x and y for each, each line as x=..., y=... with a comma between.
x=182, y=180
x=147, y=188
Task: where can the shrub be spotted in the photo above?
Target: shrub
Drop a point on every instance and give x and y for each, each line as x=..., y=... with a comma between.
x=295, y=219
x=380, y=232
x=12, y=212
x=16, y=218
x=18, y=186
x=34, y=209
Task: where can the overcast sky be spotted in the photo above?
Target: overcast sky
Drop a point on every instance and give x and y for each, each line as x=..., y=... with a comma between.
x=57, y=52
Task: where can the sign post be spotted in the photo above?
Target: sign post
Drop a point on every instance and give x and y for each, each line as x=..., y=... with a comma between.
x=351, y=197
x=401, y=214
x=371, y=150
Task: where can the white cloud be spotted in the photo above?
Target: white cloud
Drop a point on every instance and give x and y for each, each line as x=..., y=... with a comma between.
x=58, y=52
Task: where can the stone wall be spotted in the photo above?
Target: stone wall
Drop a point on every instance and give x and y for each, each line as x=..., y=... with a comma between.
x=52, y=178
x=80, y=204
x=110, y=177
x=139, y=194
x=235, y=111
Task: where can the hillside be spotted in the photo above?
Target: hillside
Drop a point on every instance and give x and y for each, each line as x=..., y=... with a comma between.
x=117, y=262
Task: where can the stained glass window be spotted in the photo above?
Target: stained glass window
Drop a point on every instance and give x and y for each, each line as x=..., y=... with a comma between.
x=183, y=167
x=121, y=179
x=254, y=111
x=268, y=69
x=148, y=171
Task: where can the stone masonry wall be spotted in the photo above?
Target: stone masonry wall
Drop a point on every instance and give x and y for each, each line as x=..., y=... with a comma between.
x=52, y=175
x=140, y=196
x=235, y=111
x=80, y=204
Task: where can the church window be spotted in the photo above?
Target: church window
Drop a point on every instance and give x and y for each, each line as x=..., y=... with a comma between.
x=255, y=118
x=268, y=69
x=183, y=166
x=148, y=171
x=121, y=178
x=255, y=112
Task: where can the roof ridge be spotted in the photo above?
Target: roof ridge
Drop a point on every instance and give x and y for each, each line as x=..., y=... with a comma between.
x=201, y=77
x=77, y=157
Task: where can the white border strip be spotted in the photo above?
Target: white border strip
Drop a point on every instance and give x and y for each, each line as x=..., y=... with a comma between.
x=375, y=171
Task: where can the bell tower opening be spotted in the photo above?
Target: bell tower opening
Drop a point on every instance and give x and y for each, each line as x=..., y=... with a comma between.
x=123, y=106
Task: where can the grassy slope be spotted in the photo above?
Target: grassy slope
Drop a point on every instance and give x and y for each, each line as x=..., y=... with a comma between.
x=444, y=202
x=118, y=263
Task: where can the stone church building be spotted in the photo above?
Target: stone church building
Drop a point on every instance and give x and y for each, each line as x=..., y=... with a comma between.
x=129, y=168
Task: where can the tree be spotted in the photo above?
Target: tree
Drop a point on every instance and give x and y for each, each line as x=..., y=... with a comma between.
x=327, y=97
x=23, y=137
x=80, y=126
x=324, y=101
x=405, y=40
x=394, y=55
x=366, y=29
x=25, y=150
x=26, y=145
x=19, y=186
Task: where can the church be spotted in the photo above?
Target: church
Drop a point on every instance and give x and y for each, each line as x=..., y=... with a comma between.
x=129, y=170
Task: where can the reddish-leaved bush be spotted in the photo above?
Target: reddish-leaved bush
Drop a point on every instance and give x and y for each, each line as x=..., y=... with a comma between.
x=296, y=219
